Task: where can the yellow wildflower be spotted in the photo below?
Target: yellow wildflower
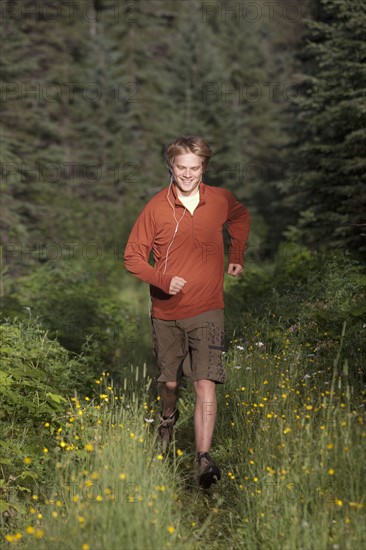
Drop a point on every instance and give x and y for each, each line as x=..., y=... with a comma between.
x=39, y=533
x=13, y=538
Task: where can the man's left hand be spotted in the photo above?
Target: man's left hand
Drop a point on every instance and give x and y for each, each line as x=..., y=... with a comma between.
x=234, y=270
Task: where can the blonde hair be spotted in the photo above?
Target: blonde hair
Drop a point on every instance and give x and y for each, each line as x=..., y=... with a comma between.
x=188, y=144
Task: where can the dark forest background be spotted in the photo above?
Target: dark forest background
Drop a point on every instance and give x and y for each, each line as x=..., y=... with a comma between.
x=92, y=91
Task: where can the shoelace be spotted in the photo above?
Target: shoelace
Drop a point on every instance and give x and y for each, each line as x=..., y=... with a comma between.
x=171, y=417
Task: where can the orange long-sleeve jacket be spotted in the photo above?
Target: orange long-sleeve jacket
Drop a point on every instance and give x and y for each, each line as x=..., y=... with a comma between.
x=194, y=252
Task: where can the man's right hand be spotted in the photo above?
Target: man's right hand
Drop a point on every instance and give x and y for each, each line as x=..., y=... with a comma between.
x=176, y=285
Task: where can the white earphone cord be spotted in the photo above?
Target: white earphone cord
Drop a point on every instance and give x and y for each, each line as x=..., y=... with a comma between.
x=175, y=232
x=177, y=226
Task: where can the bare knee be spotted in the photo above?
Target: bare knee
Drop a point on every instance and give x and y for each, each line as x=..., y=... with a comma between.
x=205, y=388
x=170, y=387
x=201, y=385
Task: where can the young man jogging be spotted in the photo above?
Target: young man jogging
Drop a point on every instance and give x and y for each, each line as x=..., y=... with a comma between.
x=182, y=225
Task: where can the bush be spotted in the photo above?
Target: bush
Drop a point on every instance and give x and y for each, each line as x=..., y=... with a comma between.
x=313, y=296
x=37, y=375
x=73, y=303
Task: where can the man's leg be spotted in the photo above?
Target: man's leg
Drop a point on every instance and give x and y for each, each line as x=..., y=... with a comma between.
x=206, y=342
x=205, y=470
x=170, y=347
x=204, y=414
x=168, y=392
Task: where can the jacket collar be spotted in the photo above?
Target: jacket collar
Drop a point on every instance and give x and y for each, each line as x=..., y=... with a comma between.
x=202, y=190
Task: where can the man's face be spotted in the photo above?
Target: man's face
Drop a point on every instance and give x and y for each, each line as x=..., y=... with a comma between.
x=187, y=172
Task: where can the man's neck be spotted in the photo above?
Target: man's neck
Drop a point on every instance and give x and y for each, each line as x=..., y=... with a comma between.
x=184, y=196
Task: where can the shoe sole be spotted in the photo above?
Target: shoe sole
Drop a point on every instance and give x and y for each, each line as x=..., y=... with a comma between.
x=208, y=478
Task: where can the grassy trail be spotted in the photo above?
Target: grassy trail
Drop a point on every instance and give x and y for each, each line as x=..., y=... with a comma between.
x=289, y=438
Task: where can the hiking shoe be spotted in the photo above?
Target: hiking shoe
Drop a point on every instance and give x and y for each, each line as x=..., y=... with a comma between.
x=165, y=429
x=205, y=470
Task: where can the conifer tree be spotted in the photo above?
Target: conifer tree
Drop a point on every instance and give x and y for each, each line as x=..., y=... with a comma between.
x=328, y=198
x=256, y=42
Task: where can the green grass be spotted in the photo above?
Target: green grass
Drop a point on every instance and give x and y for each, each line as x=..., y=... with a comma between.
x=290, y=439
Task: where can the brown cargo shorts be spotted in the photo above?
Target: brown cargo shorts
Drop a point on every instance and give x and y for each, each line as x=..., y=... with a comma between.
x=191, y=347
